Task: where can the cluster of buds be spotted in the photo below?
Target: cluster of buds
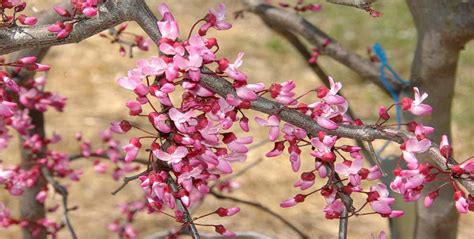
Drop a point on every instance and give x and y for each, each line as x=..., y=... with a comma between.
x=10, y=13
x=79, y=9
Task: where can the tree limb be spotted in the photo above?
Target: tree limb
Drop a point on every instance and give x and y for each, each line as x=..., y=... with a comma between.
x=295, y=23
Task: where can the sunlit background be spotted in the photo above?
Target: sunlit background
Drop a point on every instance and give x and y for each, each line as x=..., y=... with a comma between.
x=86, y=74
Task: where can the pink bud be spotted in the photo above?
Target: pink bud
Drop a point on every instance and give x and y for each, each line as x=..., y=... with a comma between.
x=90, y=11
x=27, y=60
x=62, y=11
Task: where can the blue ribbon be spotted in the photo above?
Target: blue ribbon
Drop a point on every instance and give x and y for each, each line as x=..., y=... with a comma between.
x=380, y=53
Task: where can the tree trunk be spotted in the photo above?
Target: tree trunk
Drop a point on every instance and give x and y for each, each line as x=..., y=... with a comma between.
x=434, y=71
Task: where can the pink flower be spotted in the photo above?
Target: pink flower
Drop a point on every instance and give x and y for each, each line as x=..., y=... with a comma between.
x=412, y=146
x=41, y=196
x=273, y=122
x=215, y=18
x=7, y=109
x=223, y=231
x=444, y=147
x=135, y=107
x=174, y=154
x=415, y=106
x=333, y=209
x=351, y=170
x=460, y=201
x=227, y=212
x=283, y=92
x=132, y=149
x=25, y=20
x=277, y=150
x=191, y=65
x=379, y=200
x=293, y=201
x=169, y=29
x=159, y=122
x=121, y=127
x=249, y=92
x=197, y=46
x=429, y=199
x=323, y=146
x=239, y=144
x=233, y=69
x=185, y=123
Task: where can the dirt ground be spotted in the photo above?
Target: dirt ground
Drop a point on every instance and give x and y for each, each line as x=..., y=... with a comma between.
x=86, y=74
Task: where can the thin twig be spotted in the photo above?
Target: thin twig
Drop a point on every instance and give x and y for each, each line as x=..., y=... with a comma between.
x=64, y=194
x=104, y=156
x=260, y=207
x=126, y=180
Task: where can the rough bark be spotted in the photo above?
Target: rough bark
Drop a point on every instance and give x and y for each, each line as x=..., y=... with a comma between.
x=440, y=40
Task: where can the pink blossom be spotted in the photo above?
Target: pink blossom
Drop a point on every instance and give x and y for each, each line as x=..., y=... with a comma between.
x=174, y=154
x=227, y=212
x=283, y=92
x=323, y=146
x=416, y=106
x=25, y=20
x=41, y=196
x=191, y=65
x=223, y=231
x=351, y=170
x=216, y=19
x=184, y=122
x=159, y=121
x=169, y=29
x=249, y=92
x=293, y=201
x=334, y=209
x=197, y=46
x=120, y=127
x=379, y=200
x=277, y=150
x=132, y=149
x=273, y=122
x=233, y=69
x=460, y=202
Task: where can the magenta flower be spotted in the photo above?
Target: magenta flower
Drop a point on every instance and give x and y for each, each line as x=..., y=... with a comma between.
x=333, y=209
x=323, y=146
x=191, y=65
x=132, y=149
x=159, y=121
x=416, y=106
x=249, y=92
x=460, y=202
x=379, y=200
x=350, y=169
x=184, y=122
x=273, y=122
x=216, y=19
x=283, y=92
x=233, y=69
x=169, y=29
x=197, y=46
x=174, y=154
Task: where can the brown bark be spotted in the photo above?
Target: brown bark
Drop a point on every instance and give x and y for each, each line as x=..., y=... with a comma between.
x=434, y=71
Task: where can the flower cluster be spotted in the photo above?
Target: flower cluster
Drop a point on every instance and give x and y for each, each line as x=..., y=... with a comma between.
x=79, y=9
x=15, y=6
x=301, y=6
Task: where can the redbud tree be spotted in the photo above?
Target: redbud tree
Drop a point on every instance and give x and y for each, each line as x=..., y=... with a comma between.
x=190, y=145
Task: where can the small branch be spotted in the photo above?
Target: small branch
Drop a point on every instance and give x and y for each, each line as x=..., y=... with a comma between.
x=343, y=224
x=126, y=180
x=260, y=207
x=64, y=193
x=182, y=207
x=297, y=24
x=362, y=4
x=104, y=156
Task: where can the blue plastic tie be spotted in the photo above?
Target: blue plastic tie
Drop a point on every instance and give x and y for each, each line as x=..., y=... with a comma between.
x=380, y=53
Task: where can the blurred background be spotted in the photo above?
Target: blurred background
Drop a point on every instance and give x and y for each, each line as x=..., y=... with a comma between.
x=86, y=74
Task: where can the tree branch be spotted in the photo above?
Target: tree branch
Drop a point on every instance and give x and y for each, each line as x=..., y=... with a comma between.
x=362, y=4
x=260, y=207
x=295, y=23
x=64, y=194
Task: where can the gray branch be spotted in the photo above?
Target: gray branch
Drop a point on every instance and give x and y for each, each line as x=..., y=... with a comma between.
x=280, y=18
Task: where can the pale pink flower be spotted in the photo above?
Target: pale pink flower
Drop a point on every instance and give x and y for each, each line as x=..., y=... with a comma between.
x=273, y=122
x=249, y=92
x=132, y=149
x=350, y=169
x=216, y=19
x=233, y=69
x=174, y=155
x=416, y=106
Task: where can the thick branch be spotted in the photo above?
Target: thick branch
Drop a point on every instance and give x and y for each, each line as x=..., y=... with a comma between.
x=295, y=23
x=110, y=14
